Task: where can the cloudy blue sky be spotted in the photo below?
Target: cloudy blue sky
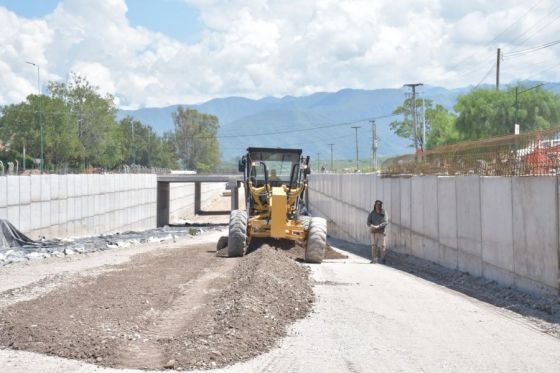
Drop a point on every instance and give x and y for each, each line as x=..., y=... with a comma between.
x=157, y=53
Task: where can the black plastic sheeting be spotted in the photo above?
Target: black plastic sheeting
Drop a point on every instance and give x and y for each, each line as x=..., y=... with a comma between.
x=17, y=247
x=11, y=238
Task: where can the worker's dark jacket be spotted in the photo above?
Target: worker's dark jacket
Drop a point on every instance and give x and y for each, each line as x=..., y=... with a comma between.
x=380, y=219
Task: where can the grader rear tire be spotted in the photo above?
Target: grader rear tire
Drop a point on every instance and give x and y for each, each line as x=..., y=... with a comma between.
x=237, y=239
x=316, y=240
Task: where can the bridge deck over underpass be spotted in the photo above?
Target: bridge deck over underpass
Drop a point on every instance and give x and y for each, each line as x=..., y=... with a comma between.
x=163, y=182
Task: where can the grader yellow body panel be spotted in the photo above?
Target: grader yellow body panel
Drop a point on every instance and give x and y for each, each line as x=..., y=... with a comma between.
x=279, y=211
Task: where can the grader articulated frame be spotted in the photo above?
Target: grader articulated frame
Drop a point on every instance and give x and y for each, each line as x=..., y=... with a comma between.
x=275, y=181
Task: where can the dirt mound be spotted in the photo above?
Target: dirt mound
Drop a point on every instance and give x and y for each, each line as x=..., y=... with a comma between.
x=178, y=309
x=291, y=249
x=287, y=247
x=266, y=293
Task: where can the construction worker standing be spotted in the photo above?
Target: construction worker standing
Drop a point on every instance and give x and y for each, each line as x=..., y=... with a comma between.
x=377, y=221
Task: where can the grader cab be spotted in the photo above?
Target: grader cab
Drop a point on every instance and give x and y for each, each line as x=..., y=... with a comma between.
x=275, y=182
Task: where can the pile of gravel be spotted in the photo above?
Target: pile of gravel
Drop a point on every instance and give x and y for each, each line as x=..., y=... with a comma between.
x=267, y=292
x=158, y=311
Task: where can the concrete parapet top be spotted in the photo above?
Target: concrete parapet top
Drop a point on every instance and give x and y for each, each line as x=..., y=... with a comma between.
x=197, y=178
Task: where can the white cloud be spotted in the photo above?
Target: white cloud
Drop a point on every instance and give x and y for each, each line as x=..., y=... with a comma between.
x=21, y=40
x=258, y=48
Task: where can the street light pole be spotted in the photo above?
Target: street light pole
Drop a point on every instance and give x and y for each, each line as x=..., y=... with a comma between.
x=357, y=159
x=331, y=145
x=39, y=112
x=414, y=116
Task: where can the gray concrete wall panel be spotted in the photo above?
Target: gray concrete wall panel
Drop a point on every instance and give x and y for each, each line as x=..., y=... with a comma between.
x=405, y=231
x=469, y=224
x=447, y=221
x=416, y=216
x=535, y=228
x=3, y=191
x=395, y=218
x=430, y=227
x=497, y=228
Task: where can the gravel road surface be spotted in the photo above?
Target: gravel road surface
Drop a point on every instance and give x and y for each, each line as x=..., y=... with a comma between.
x=377, y=318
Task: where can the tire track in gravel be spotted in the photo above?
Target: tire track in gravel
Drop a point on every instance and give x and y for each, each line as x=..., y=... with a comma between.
x=148, y=353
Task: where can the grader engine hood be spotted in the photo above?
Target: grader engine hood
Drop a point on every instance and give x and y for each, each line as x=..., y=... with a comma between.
x=279, y=211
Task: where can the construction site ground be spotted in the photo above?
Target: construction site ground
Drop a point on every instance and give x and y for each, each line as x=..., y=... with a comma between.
x=178, y=305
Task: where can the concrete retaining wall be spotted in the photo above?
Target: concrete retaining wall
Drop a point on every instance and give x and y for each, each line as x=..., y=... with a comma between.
x=505, y=229
x=81, y=205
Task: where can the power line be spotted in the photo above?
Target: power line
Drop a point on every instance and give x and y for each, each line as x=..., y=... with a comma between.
x=340, y=124
x=540, y=29
x=542, y=71
x=553, y=10
x=517, y=20
x=531, y=50
x=357, y=153
x=471, y=56
x=485, y=76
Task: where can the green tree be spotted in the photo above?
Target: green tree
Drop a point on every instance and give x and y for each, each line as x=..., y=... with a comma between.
x=486, y=112
x=195, y=135
x=19, y=127
x=442, y=127
x=440, y=124
x=405, y=127
x=141, y=145
x=96, y=127
x=168, y=156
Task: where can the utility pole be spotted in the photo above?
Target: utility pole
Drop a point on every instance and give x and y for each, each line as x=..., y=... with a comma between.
x=498, y=58
x=357, y=157
x=331, y=145
x=414, y=116
x=133, y=147
x=373, y=145
x=39, y=111
x=423, y=124
x=318, y=162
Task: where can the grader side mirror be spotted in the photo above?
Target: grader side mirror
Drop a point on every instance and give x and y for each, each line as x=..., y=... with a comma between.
x=242, y=163
x=306, y=167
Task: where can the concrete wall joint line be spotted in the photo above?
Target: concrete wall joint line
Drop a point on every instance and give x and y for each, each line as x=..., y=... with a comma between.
x=558, y=230
x=512, y=231
x=480, y=224
x=437, y=216
x=456, y=222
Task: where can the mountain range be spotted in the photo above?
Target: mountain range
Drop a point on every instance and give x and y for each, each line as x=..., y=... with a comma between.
x=309, y=122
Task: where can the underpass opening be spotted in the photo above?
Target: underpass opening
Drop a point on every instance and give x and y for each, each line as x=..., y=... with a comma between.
x=163, y=191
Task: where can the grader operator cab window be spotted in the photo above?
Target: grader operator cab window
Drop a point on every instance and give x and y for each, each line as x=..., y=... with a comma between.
x=274, y=167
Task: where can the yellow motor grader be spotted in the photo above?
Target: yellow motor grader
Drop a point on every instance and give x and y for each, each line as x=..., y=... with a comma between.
x=275, y=183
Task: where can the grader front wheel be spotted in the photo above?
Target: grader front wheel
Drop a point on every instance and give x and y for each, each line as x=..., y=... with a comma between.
x=237, y=240
x=316, y=240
